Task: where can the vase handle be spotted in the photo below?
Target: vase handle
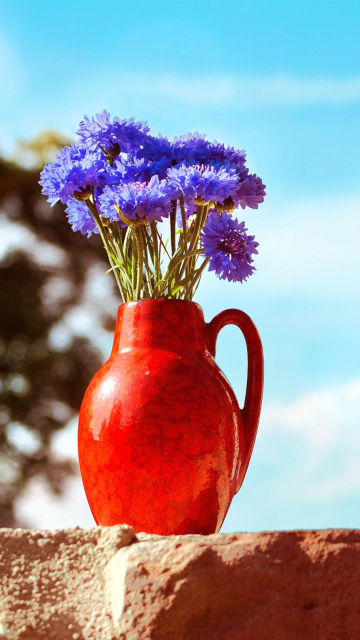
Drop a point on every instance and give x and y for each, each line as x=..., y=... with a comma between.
x=255, y=379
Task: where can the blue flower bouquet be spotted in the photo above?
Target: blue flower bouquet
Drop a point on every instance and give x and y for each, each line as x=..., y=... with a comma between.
x=124, y=184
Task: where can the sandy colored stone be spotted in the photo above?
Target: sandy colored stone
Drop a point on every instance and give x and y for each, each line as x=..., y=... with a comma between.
x=302, y=585
x=53, y=585
x=106, y=584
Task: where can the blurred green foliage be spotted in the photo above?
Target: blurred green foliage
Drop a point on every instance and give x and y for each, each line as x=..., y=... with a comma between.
x=41, y=387
x=35, y=152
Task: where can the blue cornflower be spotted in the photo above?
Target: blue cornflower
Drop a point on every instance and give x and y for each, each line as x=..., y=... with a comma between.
x=191, y=148
x=80, y=218
x=251, y=191
x=138, y=200
x=74, y=172
x=140, y=170
x=228, y=246
x=202, y=184
x=112, y=136
x=156, y=149
x=219, y=153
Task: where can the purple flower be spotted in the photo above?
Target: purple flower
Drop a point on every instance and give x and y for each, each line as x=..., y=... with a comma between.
x=229, y=247
x=137, y=200
x=156, y=149
x=250, y=193
x=74, y=172
x=80, y=218
x=112, y=136
x=203, y=183
x=191, y=148
x=140, y=170
x=219, y=153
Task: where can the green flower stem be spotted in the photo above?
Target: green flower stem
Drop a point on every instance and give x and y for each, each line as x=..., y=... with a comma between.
x=203, y=215
x=173, y=227
x=107, y=245
x=189, y=294
x=178, y=260
x=125, y=248
x=131, y=250
x=116, y=245
x=189, y=262
x=148, y=244
x=134, y=268
x=183, y=218
x=118, y=236
x=120, y=258
x=127, y=241
x=127, y=265
x=184, y=230
x=163, y=245
x=149, y=273
x=174, y=263
x=195, y=235
x=140, y=252
x=156, y=255
x=115, y=263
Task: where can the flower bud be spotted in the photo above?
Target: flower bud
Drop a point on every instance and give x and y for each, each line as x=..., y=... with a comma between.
x=83, y=194
x=228, y=205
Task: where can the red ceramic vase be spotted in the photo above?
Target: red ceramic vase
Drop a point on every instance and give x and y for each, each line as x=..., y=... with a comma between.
x=163, y=444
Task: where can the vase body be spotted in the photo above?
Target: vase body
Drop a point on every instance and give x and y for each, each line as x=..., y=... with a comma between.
x=163, y=444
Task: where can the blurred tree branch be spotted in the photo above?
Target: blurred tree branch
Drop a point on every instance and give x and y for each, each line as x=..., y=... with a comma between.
x=34, y=153
x=41, y=385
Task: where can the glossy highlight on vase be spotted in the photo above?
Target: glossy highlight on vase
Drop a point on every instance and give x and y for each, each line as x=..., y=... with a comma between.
x=163, y=444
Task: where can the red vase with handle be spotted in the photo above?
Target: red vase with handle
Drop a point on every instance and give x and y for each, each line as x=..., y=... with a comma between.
x=163, y=444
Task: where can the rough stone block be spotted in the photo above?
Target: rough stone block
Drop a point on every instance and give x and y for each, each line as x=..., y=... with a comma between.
x=108, y=584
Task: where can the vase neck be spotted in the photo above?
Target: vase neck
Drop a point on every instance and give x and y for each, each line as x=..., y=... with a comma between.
x=172, y=325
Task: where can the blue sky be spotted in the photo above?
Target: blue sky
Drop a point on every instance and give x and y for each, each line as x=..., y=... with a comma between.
x=281, y=80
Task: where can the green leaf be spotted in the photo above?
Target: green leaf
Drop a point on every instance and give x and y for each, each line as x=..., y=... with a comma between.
x=120, y=264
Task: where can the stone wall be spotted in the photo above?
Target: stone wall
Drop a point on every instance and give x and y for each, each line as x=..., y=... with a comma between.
x=108, y=584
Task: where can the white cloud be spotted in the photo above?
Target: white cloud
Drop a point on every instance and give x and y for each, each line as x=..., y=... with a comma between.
x=324, y=427
x=5, y=57
x=12, y=75
x=218, y=90
x=319, y=416
x=244, y=92
x=129, y=92
x=287, y=90
x=308, y=247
